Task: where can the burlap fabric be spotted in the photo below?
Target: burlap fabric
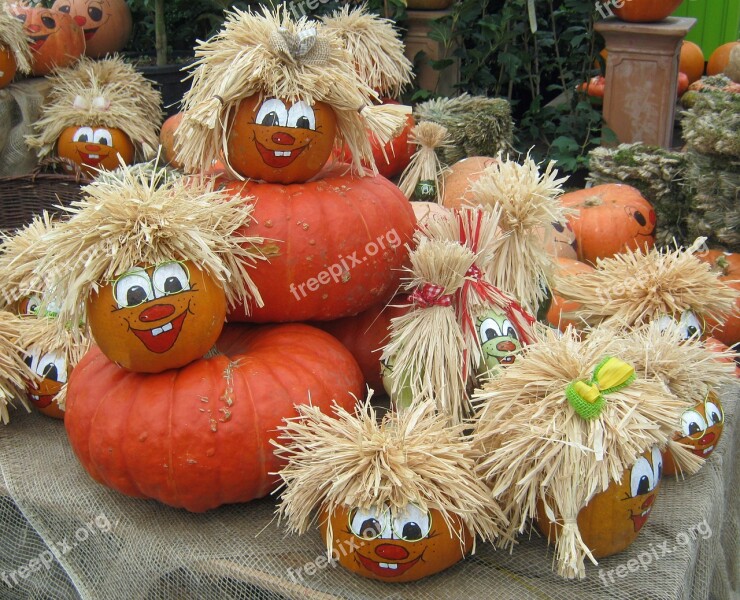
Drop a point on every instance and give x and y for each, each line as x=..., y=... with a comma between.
x=20, y=105
x=66, y=537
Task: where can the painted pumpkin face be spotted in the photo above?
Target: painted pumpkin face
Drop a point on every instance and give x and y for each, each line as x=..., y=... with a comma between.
x=8, y=67
x=157, y=318
x=642, y=225
x=106, y=23
x=402, y=546
x=562, y=241
x=499, y=340
x=280, y=142
x=95, y=148
x=611, y=520
x=688, y=324
x=52, y=368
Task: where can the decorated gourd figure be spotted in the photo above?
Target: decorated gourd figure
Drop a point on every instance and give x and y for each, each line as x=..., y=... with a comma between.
x=271, y=96
x=422, y=180
x=408, y=505
x=636, y=287
x=150, y=264
x=55, y=39
x=378, y=55
x=107, y=24
x=571, y=435
x=99, y=114
x=14, y=372
x=51, y=350
x=15, y=53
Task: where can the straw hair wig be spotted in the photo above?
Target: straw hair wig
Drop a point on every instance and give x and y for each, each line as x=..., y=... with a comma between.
x=272, y=55
x=375, y=46
x=530, y=204
x=140, y=218
x=14, y=373
x=107, y=93
x=537, y=440
x=358, y=460
x=635, y=287
x=13, y=38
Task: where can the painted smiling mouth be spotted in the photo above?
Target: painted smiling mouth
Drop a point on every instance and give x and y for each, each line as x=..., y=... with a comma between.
x=92, y=159
x=38, y=41
x=702, y=451
x=160, y=339
x=41, y=401
x=90, y=32
x=640, y=519
x=278, y=159
x=387, y=569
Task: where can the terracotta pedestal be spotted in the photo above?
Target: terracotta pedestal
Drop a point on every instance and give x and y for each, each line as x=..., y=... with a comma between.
x=641, y=77
x=416, y=40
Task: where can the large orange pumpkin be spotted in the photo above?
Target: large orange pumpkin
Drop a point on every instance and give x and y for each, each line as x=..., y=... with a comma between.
x=610, y=218
x=727, y=265
x=106, y=24
x=405, y=545
x=335, y=245
x=8, y=67
x=156, y=318
x=644, y=11
x=95, y=148
x=691, y=61
x=280, y=141
x=199, y=437
x=56, y=39
x=611, y=520
x=566, y=267
x=720, y=57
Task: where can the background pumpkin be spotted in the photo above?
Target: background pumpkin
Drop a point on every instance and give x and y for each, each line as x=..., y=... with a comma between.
x=611, y=218
x=720, y=57
x=691, y=61
x=727, y=265
x=8, y=66
x=199, y=437
x=566, y=267
x=167, y=139
x=106, y=24
x=644, y=11
x=323, y=241
x=459, y=177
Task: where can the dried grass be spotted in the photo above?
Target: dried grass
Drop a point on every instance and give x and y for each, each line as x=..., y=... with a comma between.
x=14, y=373
x=13, y=38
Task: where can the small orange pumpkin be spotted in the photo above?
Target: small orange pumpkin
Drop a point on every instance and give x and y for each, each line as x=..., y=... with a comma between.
x=566, y=267
x=167, y=140
x=458, y=179
x=279, y=141
x=720, y=57
x=8, y=67
x=691, y=61
x=56, y=39
x=95, y=148
x=157, y=318
x=644, y=11
x=611, y=520
x=106, y=24
x=727, y=265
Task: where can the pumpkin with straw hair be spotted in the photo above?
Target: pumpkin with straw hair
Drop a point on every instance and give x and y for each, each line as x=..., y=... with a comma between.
x=399, y=491
x=14, y=372
x=270, y=94
x=571, y=434
x=423, y=178
x=636, y=287
x=15, y=53
x=150, y=263
x=98, y=114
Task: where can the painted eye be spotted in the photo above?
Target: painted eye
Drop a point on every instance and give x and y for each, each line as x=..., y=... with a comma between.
x=642, y=478
x=49, y=22
x=690, y=325
x=65, y=9
x=21, y=18
x=657, y=458
x=83, y=134
x=32, y=305
x=489, y=330
x=411, y=523
x=559, y=227
x=32, y=361
x=132, y=289
x=714, y=413
x=52, y=366
x=272, y=113
x=368, y=524
x=95, y=13
x=692, y=424
x=301, y=115
x=103, y=137
x=170, y=278
x=666, y=322
x=508, y=330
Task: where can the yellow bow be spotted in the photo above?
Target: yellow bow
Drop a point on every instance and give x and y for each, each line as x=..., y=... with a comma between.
x=610, y=375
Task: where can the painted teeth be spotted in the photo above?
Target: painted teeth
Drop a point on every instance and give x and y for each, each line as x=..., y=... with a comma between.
x=157, y=330
x=281, y=153
x=708, y=450
x=388, y=565
x=94, y=155
x=647, y=512
x=35, y=397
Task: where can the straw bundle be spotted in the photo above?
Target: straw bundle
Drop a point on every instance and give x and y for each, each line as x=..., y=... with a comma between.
x=357, y=460
x=14, y=39
x=274, y=56
x=375, y=47
x=137, y=218
x=105, y=93
x=537, y=441
x=635, y=287
x=425, y=165
x=14, y=373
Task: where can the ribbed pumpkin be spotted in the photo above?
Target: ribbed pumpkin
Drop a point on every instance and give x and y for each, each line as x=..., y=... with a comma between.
x=107, y=24
x=610, y=218
x=199, y=437
x=644, y=11
x=335, y=245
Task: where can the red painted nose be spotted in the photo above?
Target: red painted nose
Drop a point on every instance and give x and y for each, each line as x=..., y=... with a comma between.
x=707, y=439
x=33, y=28
x=156, y=312
x=282, y=138
x=652, y=217
x=80, y=20
x=92, y=147
x=506, y=346
x=391, y=552
x=648, y=502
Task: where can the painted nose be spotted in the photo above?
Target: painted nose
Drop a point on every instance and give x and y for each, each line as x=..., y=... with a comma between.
x=282, y=138
x=80, y=20
x=92, y=147
x=648, y=502
x=156, y=312
x=33, y=28
x=707, y=439
x=391, y=552
x=506, y=346
x=653, y=218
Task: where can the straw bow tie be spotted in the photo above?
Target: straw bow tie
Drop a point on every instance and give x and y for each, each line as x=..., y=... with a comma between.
x=587, y=397
x=305, y=46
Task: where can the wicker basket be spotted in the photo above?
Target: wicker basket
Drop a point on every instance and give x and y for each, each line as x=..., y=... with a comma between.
x=49, y=187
